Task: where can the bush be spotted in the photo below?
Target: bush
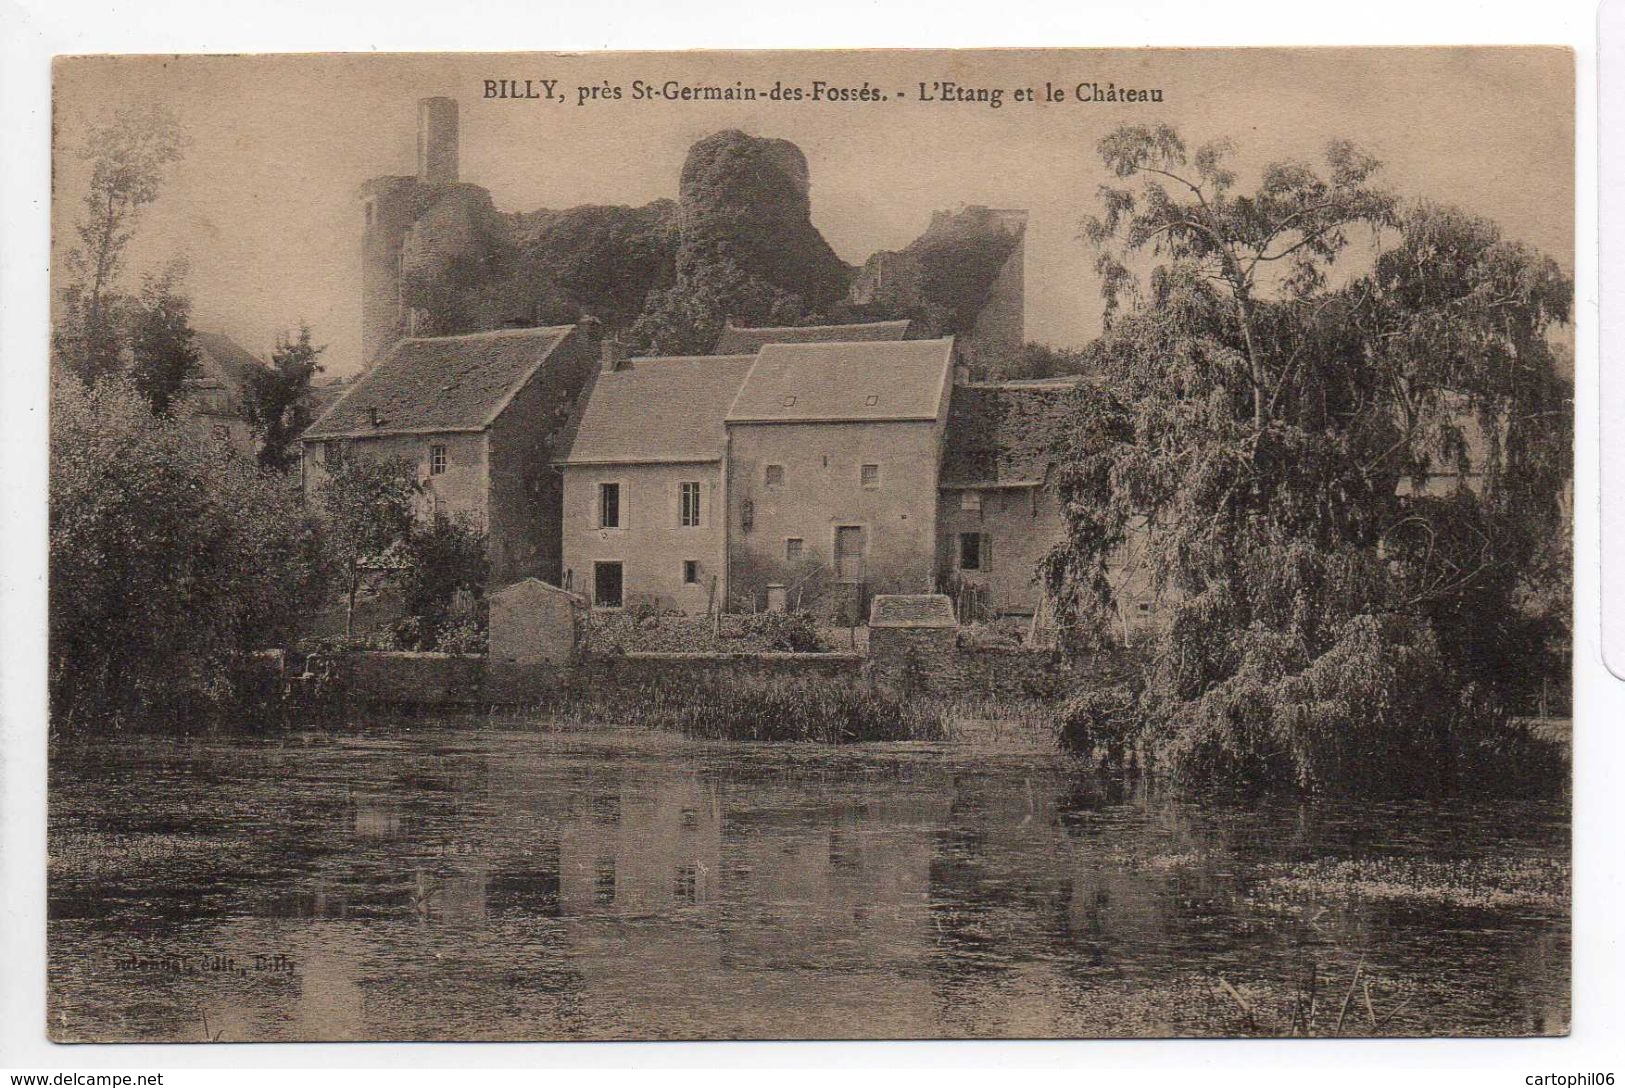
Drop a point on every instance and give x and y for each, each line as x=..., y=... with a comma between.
x=788, y=632
x=170, y=561
x=654, y=632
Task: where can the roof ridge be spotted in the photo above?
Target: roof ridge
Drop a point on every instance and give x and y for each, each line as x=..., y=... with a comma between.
x=867, y=345
x=486, y=334
x=728, y=324
x=732, y=357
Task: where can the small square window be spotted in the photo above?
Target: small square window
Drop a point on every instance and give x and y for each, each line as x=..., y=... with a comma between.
x=971, y=501
x=871, y=400
x=870, y=475
x=790, y=402
x=793, y=549
x=691, y=572
x=774, y=476
x=437, y=460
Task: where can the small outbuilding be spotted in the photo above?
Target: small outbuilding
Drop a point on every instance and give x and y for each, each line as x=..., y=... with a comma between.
x=532, y=622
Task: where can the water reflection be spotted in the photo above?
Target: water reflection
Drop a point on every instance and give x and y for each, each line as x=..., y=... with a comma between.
x=482, y=884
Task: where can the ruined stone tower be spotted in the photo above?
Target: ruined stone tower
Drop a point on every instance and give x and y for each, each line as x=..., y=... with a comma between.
x=1001, y=329
x=390, y=207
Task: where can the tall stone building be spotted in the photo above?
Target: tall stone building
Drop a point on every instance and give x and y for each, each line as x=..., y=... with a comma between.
x=417, y=229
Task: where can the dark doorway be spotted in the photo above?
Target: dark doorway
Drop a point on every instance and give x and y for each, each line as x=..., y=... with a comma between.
x=849, y=549
x=606, y=585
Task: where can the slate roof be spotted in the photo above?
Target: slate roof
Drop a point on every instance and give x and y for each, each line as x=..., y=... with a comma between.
x=442, y=383
x=224, y=361
x=1003, y=434
x=872, y=381
x=912, y=610
x=739, y=341
x=655, y=410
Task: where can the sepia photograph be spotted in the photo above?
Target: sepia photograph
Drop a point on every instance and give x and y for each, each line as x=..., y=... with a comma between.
x=811, y=545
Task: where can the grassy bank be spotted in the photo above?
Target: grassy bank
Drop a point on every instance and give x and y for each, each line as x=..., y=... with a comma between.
x=753, y=709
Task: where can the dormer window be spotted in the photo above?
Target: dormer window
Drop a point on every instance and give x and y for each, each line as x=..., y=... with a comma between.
x=790, y=401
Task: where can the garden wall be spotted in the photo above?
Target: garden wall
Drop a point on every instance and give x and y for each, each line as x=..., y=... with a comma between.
x=431, y=679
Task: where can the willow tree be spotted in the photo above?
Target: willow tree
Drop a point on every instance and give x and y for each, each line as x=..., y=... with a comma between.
x=1344, y=487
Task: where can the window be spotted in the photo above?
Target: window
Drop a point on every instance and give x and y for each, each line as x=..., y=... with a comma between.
x=606, y=585
x=970, y=501
x=691, y=572
x=970, y=551
x=774, y=476
x=437, y=460
x=790, y=401
x=332, y=454
x=871, y=400
x=609, y=506
x=793, y=547
x=688, y=504
x=870, y=475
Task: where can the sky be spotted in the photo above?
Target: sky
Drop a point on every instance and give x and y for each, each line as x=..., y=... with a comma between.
x=264, y=204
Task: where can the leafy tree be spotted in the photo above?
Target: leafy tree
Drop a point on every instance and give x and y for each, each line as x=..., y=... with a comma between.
x=366, y=508
x=1038, y=360
x=129, y=156
x=278, y=403
x=168, y=563
x=1337, y=615
x=443, y=556
x=163, y=354
x=687, y=317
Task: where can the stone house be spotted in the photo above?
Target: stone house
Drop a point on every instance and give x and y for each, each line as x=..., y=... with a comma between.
x=834, y=451
x=214, y=396
x=476, y=414
x=816, y=469
x=643, y=482
x=998, y=511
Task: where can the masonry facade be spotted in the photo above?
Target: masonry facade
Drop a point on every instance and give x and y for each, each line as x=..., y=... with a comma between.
x=814, y=467
x=833, y=458
x=478, y=416
x=644, y=495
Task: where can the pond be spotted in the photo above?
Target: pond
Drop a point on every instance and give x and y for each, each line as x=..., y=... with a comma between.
x=439, y=880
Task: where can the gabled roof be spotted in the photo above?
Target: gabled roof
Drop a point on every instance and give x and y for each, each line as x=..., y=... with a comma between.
x=223, y=361
x=1005, y=434
x=442, y=383
x=802, y=383
x=736, y=340
x=655, y=410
